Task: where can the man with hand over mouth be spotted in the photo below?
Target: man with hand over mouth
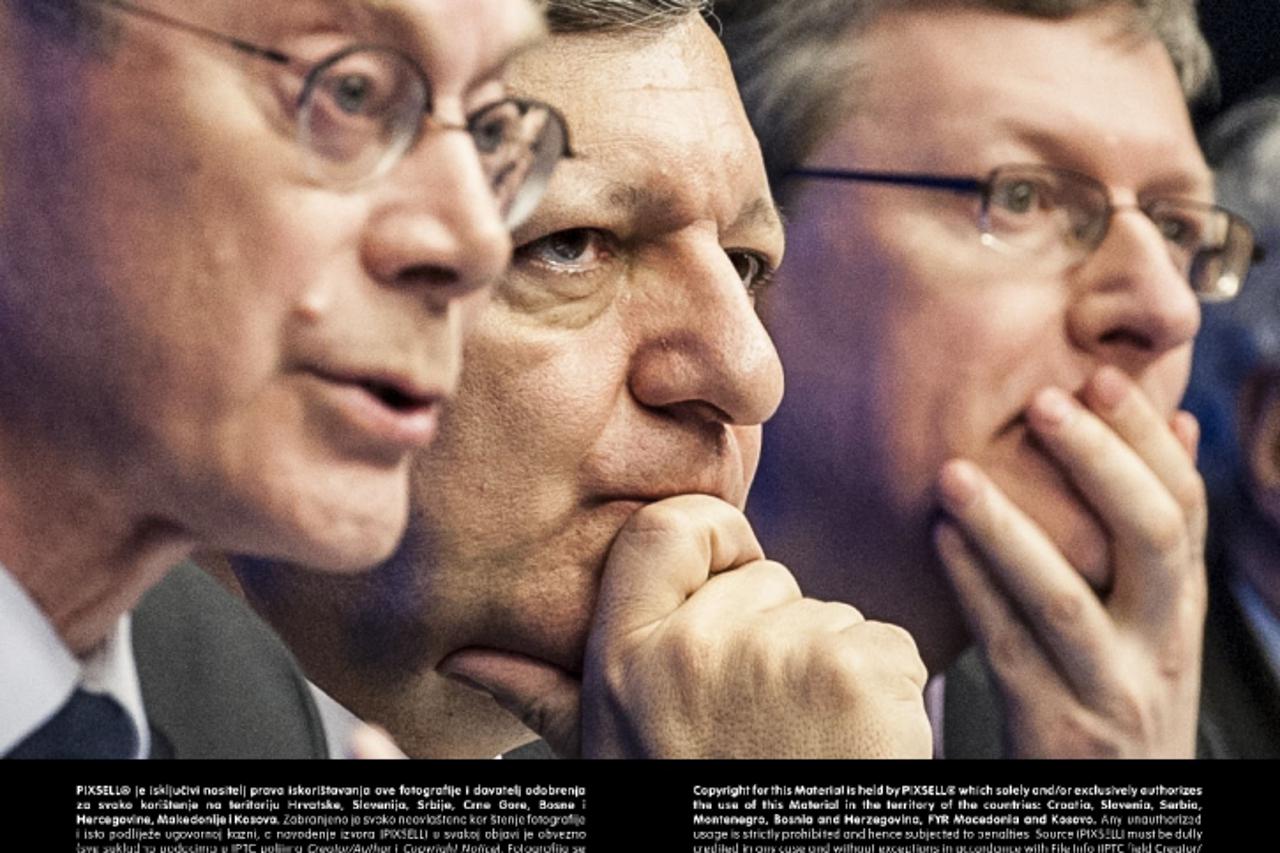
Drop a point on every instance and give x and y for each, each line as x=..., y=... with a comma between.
x=577, y=549
x=1001, y=230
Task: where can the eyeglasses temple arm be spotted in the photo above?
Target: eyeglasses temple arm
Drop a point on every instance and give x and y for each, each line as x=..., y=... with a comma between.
x=201, y=32
x=938, y=182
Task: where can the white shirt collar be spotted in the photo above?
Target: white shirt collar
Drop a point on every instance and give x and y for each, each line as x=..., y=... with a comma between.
x=38, y=672
x=339, y=723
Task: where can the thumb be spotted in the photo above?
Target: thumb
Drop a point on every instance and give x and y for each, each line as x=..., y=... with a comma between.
x=541, y=695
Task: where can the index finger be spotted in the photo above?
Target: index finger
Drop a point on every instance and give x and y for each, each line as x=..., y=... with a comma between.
x=665, y=553
x=1118, y=401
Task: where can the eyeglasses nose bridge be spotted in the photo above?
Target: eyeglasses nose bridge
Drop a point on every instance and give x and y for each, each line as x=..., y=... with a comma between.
x=1108, y=216
x=430, y=122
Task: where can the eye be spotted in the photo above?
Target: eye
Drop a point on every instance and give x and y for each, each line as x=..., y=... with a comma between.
x=362, y=87
x=754, y=270
x=574, y=250
x=1182, y=230
x=351, y=92
x=1020, y=196
x=493, y=126
x=358, y=106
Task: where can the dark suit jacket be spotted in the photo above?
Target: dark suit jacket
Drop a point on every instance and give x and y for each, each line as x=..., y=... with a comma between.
x=216, y=681
x=972, y=721
x=1239, y=695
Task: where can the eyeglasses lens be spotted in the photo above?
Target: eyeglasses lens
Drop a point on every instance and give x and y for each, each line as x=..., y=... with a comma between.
x=362, y=109
x=1058, y=217
x=520, y=144
x=1043, y=212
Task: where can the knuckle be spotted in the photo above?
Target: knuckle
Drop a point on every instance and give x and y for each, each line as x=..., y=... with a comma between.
x=1190, y=494
x=657, y=519
x=1127, y=713
x=1166, y=532
x=832, y=671
x=1005, y=650
x=897, y=645
x=1071, y=735
x=1062, y=610
x=838, y=611
x=895, y=635
x=776, y=577
x=1176, y=658
x=689, y=654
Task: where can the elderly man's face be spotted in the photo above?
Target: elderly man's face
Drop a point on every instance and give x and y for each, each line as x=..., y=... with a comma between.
x=908, y=341
x=244, y=354
x=621, y=361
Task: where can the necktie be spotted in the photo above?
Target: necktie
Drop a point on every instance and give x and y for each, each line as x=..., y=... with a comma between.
x=89, y=725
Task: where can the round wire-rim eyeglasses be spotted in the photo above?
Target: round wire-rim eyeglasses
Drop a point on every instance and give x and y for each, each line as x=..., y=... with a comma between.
x=362, y=108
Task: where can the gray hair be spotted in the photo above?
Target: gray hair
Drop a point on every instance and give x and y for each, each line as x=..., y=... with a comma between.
x=794, y=59
x=596, y=16
x=1242, y=336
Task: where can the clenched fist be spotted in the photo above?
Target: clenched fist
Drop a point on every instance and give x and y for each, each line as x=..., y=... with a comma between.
x=702, y=648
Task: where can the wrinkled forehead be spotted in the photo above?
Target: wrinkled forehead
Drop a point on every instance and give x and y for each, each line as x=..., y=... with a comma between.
x=1087, y=92
x=429, y=26
x=654, y=117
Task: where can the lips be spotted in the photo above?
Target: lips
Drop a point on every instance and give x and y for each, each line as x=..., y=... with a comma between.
x=383, y=408
x=726, y=481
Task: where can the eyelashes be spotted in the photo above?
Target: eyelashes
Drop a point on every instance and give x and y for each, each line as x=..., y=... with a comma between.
x=754, y=270
x=572, y=251
x=582, y=251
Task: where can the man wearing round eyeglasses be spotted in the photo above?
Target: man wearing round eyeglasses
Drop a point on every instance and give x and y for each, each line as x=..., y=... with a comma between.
x=1001, y=226
x=239, y=245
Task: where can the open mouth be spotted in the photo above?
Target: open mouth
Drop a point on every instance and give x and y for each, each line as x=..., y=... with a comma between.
x=382, y=410
x=394, y=397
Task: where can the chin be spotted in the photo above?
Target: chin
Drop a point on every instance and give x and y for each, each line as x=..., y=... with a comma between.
x=343, y=533
x=555, y=621
x=541, y=603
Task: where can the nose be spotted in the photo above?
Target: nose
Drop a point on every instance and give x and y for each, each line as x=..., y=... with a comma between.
x=702, y=353
x=435, y=225
x=1132, y=304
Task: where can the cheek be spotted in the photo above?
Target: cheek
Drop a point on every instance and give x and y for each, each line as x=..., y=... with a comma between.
x=228, y=313
x=530, y=408
x=957, y=367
